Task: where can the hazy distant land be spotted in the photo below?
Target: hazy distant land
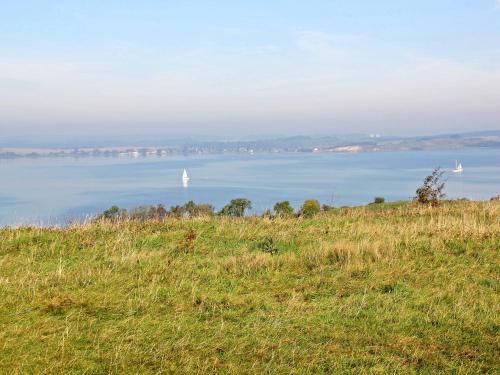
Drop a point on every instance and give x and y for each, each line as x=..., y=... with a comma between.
x=296, y=144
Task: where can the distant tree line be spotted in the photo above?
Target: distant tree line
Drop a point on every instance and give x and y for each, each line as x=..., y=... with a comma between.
x=235, y=208
x=429, y=193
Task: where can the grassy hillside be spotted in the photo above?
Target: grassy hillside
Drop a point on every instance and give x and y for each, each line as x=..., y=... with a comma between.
x=400, y=289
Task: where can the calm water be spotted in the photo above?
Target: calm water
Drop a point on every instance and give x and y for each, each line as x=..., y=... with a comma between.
x=52, y=190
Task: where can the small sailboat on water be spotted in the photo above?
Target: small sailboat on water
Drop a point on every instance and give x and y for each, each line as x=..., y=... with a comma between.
x=185, y=178
x=458, y=167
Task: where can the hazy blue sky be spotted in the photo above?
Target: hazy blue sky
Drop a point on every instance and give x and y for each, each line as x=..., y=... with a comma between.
x=94, y=67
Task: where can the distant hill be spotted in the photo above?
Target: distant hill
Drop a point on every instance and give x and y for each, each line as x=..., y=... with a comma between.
x=299, y=143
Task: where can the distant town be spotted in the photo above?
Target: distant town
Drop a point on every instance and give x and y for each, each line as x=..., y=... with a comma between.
x=297, y=144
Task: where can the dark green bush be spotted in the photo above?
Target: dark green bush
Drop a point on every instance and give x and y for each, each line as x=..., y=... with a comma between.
x=236, y=207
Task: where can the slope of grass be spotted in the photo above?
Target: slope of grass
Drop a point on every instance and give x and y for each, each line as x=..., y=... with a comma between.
x=398, y=288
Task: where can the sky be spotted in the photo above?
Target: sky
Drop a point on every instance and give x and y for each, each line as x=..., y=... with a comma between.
x=239, y=67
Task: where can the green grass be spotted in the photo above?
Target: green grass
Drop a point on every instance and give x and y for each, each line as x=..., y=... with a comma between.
x=389, y=289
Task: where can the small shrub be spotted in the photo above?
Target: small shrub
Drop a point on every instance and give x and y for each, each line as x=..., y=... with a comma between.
x=157, y=212
x=267, y=246
x=192, y=209
x=379, y=200
x=140, y=213
x=236, y=207
x=326, y=207
x=431, y=191
x=176, y=211
x=284, y=209
x=114, y=213
x=310, y=208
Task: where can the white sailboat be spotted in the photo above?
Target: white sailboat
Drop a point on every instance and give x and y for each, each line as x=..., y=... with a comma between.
x=458, y=167
x=185, y=178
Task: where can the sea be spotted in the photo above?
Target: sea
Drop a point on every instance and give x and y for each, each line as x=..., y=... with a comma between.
x=59, y=190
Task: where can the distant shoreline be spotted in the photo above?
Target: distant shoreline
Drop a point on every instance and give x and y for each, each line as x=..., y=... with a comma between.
x=275, y=146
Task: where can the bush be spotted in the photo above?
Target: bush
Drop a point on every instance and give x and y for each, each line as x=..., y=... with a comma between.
x=379, y=200
x=310, y=208
x=176, y=211
x=431, y=191
x=192, y=209
x=114, y=213
x=284, y=209
x=326, y=207
x=267, y=246
x=157, y=212
x=140, y=213
x=236, y=207
x=204, y=209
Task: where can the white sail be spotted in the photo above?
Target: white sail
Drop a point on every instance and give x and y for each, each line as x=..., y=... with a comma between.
x=458, y=167
x=185, y=178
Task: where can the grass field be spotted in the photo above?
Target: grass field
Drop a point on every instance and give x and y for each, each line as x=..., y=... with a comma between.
x=380, y=289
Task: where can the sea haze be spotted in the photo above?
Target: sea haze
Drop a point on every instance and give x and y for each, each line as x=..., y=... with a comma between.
x=53, y=190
